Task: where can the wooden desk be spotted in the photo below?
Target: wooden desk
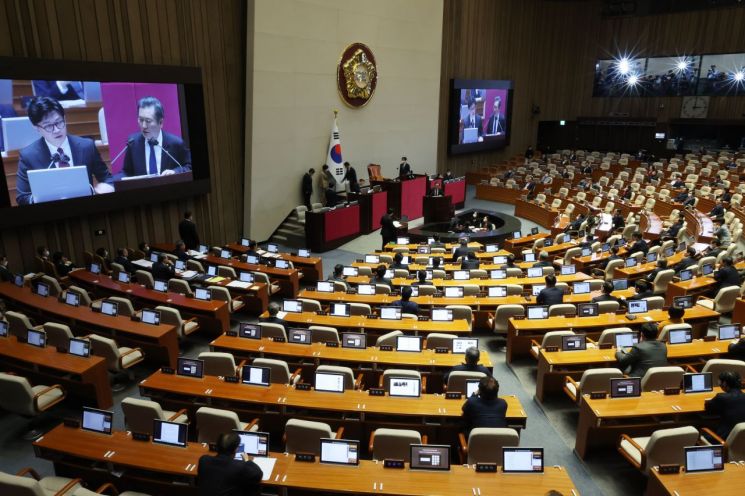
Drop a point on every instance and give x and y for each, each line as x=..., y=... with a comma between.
x=543, y=215
x=641, y=270
x=601, y=422
x=376, y=326
x=312, y=267
x=412, y=247
x=288, y=279
x=359, y=412
x=554, y=366
x=523, y=281
x=373, y=206
x=585, y=263
x=166, y=470
x=515, y=246
x=212, y=315
x=160, y=343
x=709, y=483
x=695, y=286
x=498, y=193
x=520, y=332
x=84, y=377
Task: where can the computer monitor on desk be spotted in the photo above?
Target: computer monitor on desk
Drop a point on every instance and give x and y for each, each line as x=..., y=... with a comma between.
x=170, y=433
x=697, y=383
x=256, y=376
x=429, y=457
x=252, y=444
x=407, y=387
x=190, y=367
x=354, y=340
x=329, y=382
x=522, y=460
x=704, y=458
x=626, y=387
x=96, y=420
x=537, y=312
x=79, y=347
x=637, y=306
x=340, y=451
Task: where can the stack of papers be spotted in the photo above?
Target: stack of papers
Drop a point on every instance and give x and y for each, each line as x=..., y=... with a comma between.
x=266, y=465
x=143, y=263
x=239, y=284
x=188, y=274
x=216, y=279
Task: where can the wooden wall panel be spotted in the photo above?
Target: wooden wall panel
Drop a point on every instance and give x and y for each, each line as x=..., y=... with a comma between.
x=549, y=48
x=197, y=33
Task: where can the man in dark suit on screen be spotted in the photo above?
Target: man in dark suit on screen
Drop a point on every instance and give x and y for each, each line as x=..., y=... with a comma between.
x=473, y=120
x=153, y=151
x=59, y=90
x=497, y=124
x=57, y=149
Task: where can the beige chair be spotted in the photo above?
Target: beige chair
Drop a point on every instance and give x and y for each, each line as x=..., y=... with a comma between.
x=485, y=444
x=18, y=396
x=608, y=306
x=457, y=380
x=462, y=312
x=428, y=290
x=383, y=289
x=180, y=286
x=211, y=422
x=220, y=364
x=222, y=294
x=340, y=286
x=394, y=443
x=592, y=380
x=607, y=337
x=350, y=382
x=655, y=303
x=562, y=309
x=54, y=286
x=123, y=306
x=85, y=298
x=118, y=360
x=723, y=302
x=661, y=378
x=734, y=445
x=172, y=316
x=718, y=365
x=664, y=446
x=551, y=338
x=323, y=334
x=304, y=436
x=388, y=339
x=195, y=265
x=227, y=272
x=20, y=485
x=279, y=371
x=144, y=278
x=385, y=379
x=610, y=269
x=139, y=415
x=309, y=305
x=271, y=287
x=661, y=280
x=500, y=320
x=471, y=289
x=272, y=330
x=359, y=309
x=665, y=331
x=58, y=335
x=439, y=340
x=19, y=324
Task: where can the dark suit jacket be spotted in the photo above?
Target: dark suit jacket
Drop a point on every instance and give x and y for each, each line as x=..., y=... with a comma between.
x=642, y=295
x=387, y=230
x=502, y=125
x=5, y=274
x=404, y=169
x=737, y=350
x=605, y=297
x=124, y=262
x=730, y=406
x=187, y=230
x=307, y=184
x=351, y=176
x=407, y=306
x=686, y=262
x=74, y=91
x=618, y=221
x=134, y=158
x=640, y=245
x=482, y=413
x=37, y=156
x=461, y=251
x=470, y=264
x=727, y=276
x=463, y=367
x=550, y=296
x=162, y=271
x=220, y=475
x=478, y=123
x=642, y=357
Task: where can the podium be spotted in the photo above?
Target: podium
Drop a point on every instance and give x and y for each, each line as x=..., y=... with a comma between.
x=372, y=207
x=327, y=230
x=404, y=196
x=436, y=208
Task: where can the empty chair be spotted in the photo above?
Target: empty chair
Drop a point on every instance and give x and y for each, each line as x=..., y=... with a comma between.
x=570, y=254
x=211, y=422
x=272, y=330
x=139, y=415
x=664, y=446
x=718, y=365
x=665, y=331
x=18, y=396
x=388, y=339
x=485, y=444
x=723, y=302
x=661, y=280
x=54, y=287
x=551, y=338
x=118, y=360
x=145, y=278
x=439, y=340
x=608, y=306
x=323, y=334
x=18, y=324
x=660, y=378
x=58, y=335
x=172, y=316
x=180, y=286
x=462, y=312
x=359, y=309
x=271, y=287
x=502, y=315
x=562, y=309
x=123, y=305
x=393, y=443
x=225, y=271
x=734, y=445
x=383, y=289
x=309, y=305
x=220, y=293
x=304, y=436
x=457, y=380
x=20, y=485
x=592, y=380
x=219, y=363
x=385, y=379
x=514, y=272
x=655, y=302
x=279, y=371
x=350, y=382
x=607, y=337
x=364, y=271
x=468, y=289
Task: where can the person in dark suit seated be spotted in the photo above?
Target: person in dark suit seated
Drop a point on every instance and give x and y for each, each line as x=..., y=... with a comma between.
x=643, y=290
x=576, y=223
x=485, y=409
x=57, y=149
x=543, y=260
x=510, y=264
x=618, y=221
x=714, y=248
x=496, y=124
x=647, y=353
x=407, y=306
x=163, y=269
x=436, y=262
x=62, y=264
x=387, y=228
x=307, y=187
x=727, y=274
x=122, y=258
x=729, y=404
x=472, y=357
x=223, y=475
x=379, y=277
x=187, y=230
x=681, y=197
x=436, y=190
x=59, y=90
x=421, y=278
x=661, y=265
x=144, y=249
x=180, y=251
x=338, y=274
x=677, y=182
x=638, y=244
x=153, y=151
x=470, y=262
x=606, y=294
x=462, y=250
x=673, y=230
x=674, y=316
x=398, y=259
x=736, y=350
x=600, y=270
x=550, y=295
x=717, y=212
x=529, y=186
x=690, y=259
x=350, y=175
x=273, y=309
x=5, y=274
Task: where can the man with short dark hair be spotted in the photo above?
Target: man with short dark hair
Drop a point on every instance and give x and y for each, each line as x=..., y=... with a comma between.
x=485, y=409
x=223, y=475
x=387, y=228
x=338, y=274
x=163, y=268
x=543, y=260
x=660, y=266
x=471, y=261
x=606, y=294
x=421, y=276
x=645, y=354
x=187, y=230
x=379, y=277
x=639, y=244
x=407, y=306
x=618, y=221
x=308, y=187
x=550, y=295
x=642, y=290
x=717, y=212
x=122, y=258
x=180, y=251
x=404, y=169
x=350, y=175
x=398, y=259
x=273, y=309
x=729, y=404
x=462, y=249
x=57, y=149
x=471, y=364
x=5, y=274
x=727, y=274
x=690, y=259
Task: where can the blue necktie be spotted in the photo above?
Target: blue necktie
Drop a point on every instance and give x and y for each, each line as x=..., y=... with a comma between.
x=153, y=167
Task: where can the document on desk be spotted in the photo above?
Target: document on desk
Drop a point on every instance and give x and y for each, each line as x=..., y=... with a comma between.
x=188, y=274
x=281, y=314
x=239, y=284
x=266, y=465
x=196, y=254
x=143, y=263
x=396, y=224
x=215, y=279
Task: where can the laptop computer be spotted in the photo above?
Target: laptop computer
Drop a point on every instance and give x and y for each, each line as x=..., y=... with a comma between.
x=470, y=135
x=18, y=132
x=96, y=420
x=79, y=347
x=704, y=458
x=36, y=338
x=498, y=274
x=568, y=270
x=190, y=367
x=123, y=277
x=299, y=336
x=453, y=291
x=325, y=286
x=442, y=315
x=59, y=183
x=429, y=457
x=679, y=336
x=626, y=339
x=573, y=343
x=620, y=284
x=330, y=382
x=72, y=298
x=409, y=343
x=637, y=306
x=256, y=376
x=728, y=331
x=390, y=313
x=581, y=288
x=340, y=310
x=340, y=451
x=535, y=272
x=407, y=387
x=686, y=275
x=588, y=309
x=537, y=312
x=697, y=383
x=170, y=433
x=497, y=291
x=630, y=262
x=355, y=340
x=252, y=444
x=529, y=257
x=149, y=316
x=626, y=387
x=522, y=460
x=293, y=306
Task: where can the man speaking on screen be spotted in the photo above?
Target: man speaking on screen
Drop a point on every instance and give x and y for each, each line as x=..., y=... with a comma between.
x=153, y=151
x=57, y=150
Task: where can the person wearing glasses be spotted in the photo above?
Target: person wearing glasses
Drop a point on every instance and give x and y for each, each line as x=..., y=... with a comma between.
x=153, y=151
x=57, y=149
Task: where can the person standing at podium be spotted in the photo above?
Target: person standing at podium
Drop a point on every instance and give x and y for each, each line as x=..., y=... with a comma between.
x=404, y=169
x=350, y=175
x=387, y=229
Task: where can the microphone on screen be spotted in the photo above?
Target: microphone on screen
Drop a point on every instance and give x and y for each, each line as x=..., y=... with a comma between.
x=129, y=142
x=154, y=142
x=55, y=159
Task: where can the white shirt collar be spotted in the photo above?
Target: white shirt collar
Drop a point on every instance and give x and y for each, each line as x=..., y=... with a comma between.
x=65, y=148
